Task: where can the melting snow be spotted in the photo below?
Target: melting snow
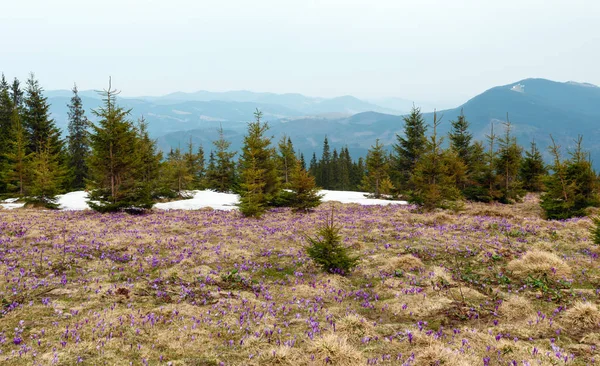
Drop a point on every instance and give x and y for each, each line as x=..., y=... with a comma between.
x=201, y=199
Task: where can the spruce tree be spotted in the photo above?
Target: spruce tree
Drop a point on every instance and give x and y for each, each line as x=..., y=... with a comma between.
x=17, y=158
x=195, y=165
x=409, y=148
x=302, y=161
x=222, y=177
x=178, y=173
x=305, y=192
x=572, y=187
x=149, y=161
x=325, y=177
x=533, y=170
x=44, y=142
x=259, y=157
x=16, y=93
x=252, y=199
x=432, y=181
x=376, y=180
x=313, y=169
x=78, y=142
x=47, y=177
x=286, y=160
x=460, y=138
x=508, y=164
x=113, y=162
x=41, y=129
x=6, y=111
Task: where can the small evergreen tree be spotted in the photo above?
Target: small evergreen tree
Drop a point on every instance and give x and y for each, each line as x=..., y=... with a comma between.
x=113, y=162
x=195, y=165
x=252, y=200
x=6, y=111
x=47, y=177
x=409, y=148
x=286, y=160
x=376, y=180
x=78, y=142
x=327, y=251
x=460, y=139
x=304, y=189
x=325, y=174
x=572, y=186
x=222, y=177
x=259, y=156
x=433, y=182
x=507, y=165
x=177, y=169
x=149, y=158
x=17, y=158
x=533, y=170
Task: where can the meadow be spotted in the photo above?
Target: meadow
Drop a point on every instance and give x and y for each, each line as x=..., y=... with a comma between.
x=489, y=285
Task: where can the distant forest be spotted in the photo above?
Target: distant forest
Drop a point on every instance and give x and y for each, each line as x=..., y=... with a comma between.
x=122, y=168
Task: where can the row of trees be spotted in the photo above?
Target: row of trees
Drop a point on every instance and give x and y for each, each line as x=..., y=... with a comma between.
x=117, y=161
x=425, y=172
x=121, y=166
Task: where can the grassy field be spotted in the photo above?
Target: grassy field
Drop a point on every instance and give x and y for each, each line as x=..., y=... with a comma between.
x=491, y=285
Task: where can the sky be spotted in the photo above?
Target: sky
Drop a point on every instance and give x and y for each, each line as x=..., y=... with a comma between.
x=422, y=50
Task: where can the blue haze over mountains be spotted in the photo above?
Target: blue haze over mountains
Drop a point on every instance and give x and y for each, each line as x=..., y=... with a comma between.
x=536, y=108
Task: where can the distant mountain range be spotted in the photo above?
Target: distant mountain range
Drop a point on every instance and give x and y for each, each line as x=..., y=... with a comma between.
x=536, y=108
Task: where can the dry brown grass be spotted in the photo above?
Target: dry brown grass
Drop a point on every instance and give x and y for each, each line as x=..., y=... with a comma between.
x=405, y=262
x=336, y=350
x=582, y=315
x=537, y=262
x=516, y=307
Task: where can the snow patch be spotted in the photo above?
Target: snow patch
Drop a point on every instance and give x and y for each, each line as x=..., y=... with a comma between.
x=356, y=197
x=76, y=201
x=73, y=201
x=202, y=199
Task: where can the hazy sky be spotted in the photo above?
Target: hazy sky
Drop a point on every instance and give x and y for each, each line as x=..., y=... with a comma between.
x=428, y=50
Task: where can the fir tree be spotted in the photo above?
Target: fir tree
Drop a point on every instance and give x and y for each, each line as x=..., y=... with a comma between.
x=304, y=189
x=222, y=177
x=286, y=160
x=41, y=129
x=17, y=158
x=195, y=165
x=533, y=170
x=344, y=170
x=325, y=178
x=358, y=173
x=302, y=161
x=6, y=112
x=47, y=177
x=78, y=142
x=16, y=94
x=377, y=181
x=149, y=159
x=460, y=139
x=113, y=161
x=409, y=148
x=178, y=172
x=432, y=181
x=257, y=150
x=313, y=168
x=572, y=186
x=252, y=201
x=507, y=165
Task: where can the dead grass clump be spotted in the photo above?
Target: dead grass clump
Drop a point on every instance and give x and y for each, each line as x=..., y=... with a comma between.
x=537, y=262
x=336, y=350
x=404, y=262
x=354, y=325
x=582, y=315
x=437, y=354
x=515, y=307
x=281, y=355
